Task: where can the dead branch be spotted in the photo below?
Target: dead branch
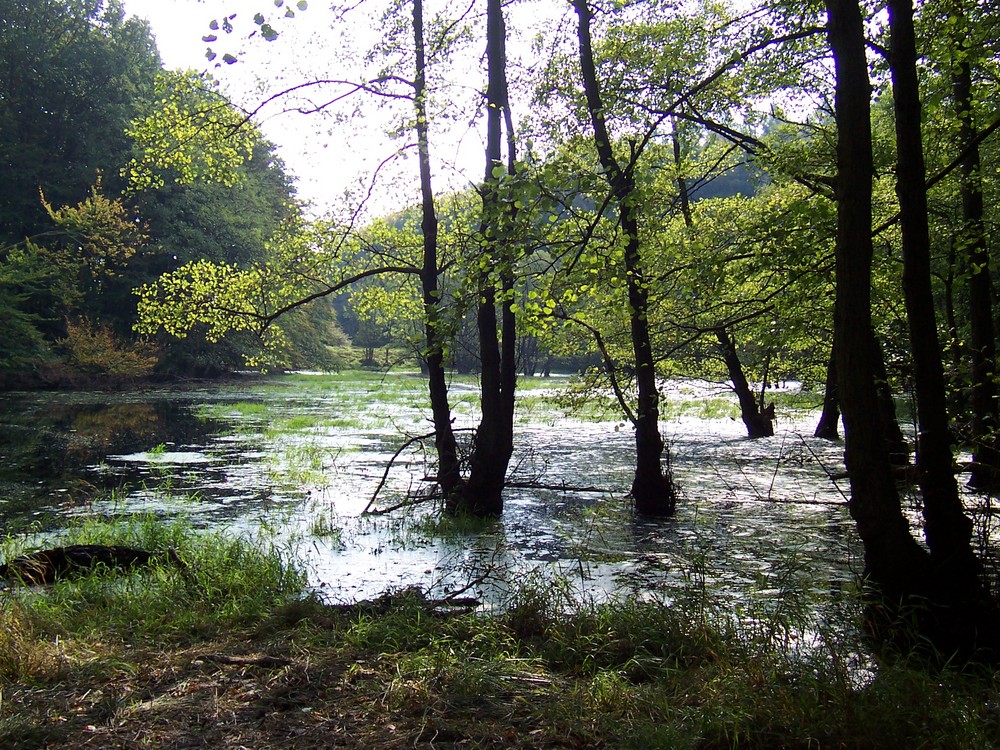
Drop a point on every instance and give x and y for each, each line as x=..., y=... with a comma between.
x=250, y=661
x=388, y=468
x=563, y=487
x=409, y=502
x=411, y=596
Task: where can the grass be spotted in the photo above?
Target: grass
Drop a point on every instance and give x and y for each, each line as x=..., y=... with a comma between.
x=539, y=400
x=326, y=524
x=451, y=526
x=158, y=450
x=239, y=654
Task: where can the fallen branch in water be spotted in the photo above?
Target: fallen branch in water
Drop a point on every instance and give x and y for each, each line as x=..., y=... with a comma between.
x=409, y=502
x=911, y=472
x=563, y=487
x=447, y=606
x=388, y=468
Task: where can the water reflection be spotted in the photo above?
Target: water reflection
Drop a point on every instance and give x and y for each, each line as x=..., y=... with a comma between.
x=301, y=460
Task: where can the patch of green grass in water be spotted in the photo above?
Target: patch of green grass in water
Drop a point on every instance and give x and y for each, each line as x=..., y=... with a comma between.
x=327, y=525
x=795, y=401
x=245, y=408
x=301, y=422
x=701, y=408
x=452, y=526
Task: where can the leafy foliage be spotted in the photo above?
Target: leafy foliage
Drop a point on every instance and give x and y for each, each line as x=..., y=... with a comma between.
x=72, y=75
x=190, y=133
x=96, y=349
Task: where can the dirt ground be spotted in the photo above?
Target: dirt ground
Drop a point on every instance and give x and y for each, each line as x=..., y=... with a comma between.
x=216, y=696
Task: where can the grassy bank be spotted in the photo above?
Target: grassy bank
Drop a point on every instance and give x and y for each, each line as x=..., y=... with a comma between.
x=236, y=654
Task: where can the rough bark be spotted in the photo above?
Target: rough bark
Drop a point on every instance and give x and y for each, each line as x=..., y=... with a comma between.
x=449, y=475
x=652, y=489
x=895, y=442
x=894, y=562
x=948, y=530
x=828, y=427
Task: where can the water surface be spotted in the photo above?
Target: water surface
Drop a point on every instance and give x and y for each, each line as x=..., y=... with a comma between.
x=297, y=459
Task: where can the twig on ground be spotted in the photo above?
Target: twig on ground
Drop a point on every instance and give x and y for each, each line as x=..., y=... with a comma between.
x=250, y=661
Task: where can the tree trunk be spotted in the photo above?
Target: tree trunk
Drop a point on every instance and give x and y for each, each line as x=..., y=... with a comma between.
x=947, y=528
x=829, y=421
x=894, y=563
x=759, y=423
x=652, y=489
x=449, y=476
x=899, y=449
x=493, y=447
x=951, y=318
x=972, y=239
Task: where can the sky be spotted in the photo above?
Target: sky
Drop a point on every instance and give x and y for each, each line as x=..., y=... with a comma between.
x=327, y=155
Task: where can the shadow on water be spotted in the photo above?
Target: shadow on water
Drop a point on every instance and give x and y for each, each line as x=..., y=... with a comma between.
x=298, y=459
x=52, y=447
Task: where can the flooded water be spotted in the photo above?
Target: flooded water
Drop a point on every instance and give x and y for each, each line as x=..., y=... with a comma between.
x=296, y=459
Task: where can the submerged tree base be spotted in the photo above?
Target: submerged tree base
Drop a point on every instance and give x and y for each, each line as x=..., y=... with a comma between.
x=941, y=624
x=653, y=489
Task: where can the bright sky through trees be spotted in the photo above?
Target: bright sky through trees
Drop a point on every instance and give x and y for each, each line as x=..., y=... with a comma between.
x=327, y=155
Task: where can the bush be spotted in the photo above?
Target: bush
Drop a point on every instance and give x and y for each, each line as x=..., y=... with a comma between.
x=95, y=349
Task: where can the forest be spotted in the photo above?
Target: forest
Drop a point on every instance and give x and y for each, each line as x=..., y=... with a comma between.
x=752, y=194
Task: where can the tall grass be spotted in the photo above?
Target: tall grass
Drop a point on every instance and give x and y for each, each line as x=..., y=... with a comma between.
x=667, y=674
x=678, y=670
x=228, y=582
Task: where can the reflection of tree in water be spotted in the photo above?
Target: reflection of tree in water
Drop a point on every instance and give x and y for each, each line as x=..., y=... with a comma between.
x=48, y=447
x=108, y=427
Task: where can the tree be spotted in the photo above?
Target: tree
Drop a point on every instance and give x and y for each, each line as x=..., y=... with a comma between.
x=449, y=475
x=982, y=339
x=828, y=426
x=958, y=40
x=652, y=488
x=893, y=560
x=940, y=589
x=947, y=528
x=758, y=419
x=83, y=95
x=72, y=75
x=493, y=445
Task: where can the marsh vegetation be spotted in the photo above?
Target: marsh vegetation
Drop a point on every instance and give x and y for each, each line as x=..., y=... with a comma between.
x=244, y=652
